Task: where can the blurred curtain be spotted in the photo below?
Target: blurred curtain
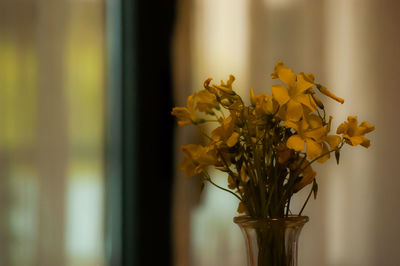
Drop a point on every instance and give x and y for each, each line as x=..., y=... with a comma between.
x=352, y=46
x=51, y=137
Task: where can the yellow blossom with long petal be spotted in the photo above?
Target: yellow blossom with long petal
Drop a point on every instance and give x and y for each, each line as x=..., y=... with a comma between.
x=196, y=158
x=310, y=132
x=294, y=98
x=354, y=134
x=186, y=115
x=226, y=132
x=206, y=101
x=222, y=91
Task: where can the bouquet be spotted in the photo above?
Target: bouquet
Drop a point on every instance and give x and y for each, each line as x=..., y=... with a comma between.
x=268, y=147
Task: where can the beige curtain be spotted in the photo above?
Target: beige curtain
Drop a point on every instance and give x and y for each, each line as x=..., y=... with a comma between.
x=51, y=132
x=352, y=46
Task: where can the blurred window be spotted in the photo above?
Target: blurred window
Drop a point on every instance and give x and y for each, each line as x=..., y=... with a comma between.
x=51, y=132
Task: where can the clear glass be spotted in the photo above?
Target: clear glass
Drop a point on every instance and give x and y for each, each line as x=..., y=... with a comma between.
x=271, y=242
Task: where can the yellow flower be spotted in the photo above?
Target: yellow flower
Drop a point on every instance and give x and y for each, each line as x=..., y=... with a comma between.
x=252, y=97
x=222, y=91
x=186, y=115
x=311, y=132
x=264, y=104
x=295, y=97
x=226, y=132
x=196, y=158
x=227, y=87
x=353, y=134
x=332, y=140
x=206, y=101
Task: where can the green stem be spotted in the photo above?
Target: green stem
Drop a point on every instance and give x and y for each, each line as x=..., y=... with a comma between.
x=288, y=206
x=209, y=180
x=308, y=197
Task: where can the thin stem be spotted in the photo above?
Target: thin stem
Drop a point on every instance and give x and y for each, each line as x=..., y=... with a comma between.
x=234, y=194
x=288, y=207
x=308, y=197
x=203, y=133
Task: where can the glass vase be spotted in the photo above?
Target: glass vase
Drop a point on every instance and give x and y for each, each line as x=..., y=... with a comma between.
x=271, y=242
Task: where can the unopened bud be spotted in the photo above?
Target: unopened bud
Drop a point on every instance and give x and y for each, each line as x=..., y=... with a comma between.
x=337, y=156
x=325, y=91
x=318, y=102
x=252, y=97
x=206, y=83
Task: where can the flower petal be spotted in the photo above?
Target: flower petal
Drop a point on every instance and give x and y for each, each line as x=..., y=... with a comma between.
x=285, y=74
x=313, y=149
x=280, y=94
x=308, y=176
x=295, y=142
x=183, y=115
x=356, y=140
x=367, y=127
x=291, y=124
x=333, y=141
x=307, y=100
x=316, y=134
x=326, y=156
x=352, y=120
x=188, y=167
x=303, y=83
x=190, y=103
x=233, y=139
x=342, y=128
x=294, y=111
x=308, y=77
x=366, y=142
x=314, y=121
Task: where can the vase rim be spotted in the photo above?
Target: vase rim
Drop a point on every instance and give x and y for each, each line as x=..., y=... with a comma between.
x=249, y=220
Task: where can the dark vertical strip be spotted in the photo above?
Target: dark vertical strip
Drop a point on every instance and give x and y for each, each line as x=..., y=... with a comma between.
x=139, y=133
x=155, y=125
x=114, y=142
x=131, y=171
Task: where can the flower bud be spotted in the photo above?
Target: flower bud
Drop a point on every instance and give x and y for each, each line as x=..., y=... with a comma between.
x=337, y=156
x=252, y=97
x=325, y=91
x=318, y=102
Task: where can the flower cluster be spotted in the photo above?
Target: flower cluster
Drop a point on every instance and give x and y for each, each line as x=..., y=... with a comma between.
x=267, y=147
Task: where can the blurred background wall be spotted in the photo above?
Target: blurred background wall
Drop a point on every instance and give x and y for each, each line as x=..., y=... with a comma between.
x=352, y=46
